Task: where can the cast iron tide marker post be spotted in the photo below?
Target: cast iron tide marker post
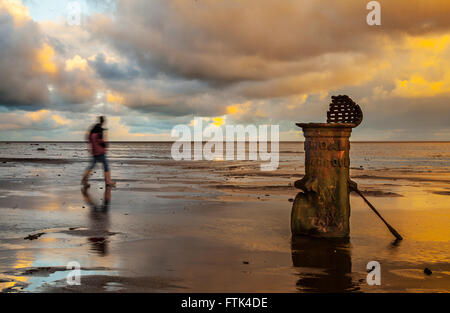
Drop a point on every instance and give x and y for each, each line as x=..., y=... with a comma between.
x=322, y=209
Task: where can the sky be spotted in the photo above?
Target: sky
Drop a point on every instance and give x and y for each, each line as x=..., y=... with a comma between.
x=151, y=65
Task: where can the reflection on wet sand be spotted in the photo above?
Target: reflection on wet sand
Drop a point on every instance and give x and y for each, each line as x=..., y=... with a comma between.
x=194, y=224
x=98, y=220
x=12, y=283
x=323, y=265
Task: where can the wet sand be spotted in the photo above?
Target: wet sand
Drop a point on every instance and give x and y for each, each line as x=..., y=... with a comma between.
x=211, y=227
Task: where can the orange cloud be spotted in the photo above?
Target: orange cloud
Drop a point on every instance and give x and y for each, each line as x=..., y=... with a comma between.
x=417, y=86
x=118, y=131
x=238, y=108
x=425, y=71
x=38, y=115
x=76, y=62
x=19, y=12
x=60, y=120
x=234, y=109
x=114, y=98
x=218, y=121
x=44, y=60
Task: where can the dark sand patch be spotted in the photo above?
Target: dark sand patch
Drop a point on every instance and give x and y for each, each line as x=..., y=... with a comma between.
x=83, y=232
x=255, y=188
x=173, y=180
x=415, y=179
x=74, y=231
x=380, y=193
x=190, y=197
x=105, y=283
x=33, y=236
x=40, y=160
x=263, y=174
x=442, y=193
x=6, y=280
x=159, y=189
x=17, y=287
x=122, y=180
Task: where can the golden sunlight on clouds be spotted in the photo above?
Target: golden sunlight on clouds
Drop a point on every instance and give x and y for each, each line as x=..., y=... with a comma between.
x=38, y=115
x=234, y=109
x=44, y=59
x=434, y=44
x=213, y=121
x=114, y=98
x=417, y=86
x=238, y=108
x=41, y=115
x=428, y=68
x=76, y=63
x=119, y=131
x=218, y=121
x=19, y=12
x=298, y=100
x=60, y=120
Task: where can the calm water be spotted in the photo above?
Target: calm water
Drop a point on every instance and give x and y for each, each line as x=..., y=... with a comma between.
x=414, y=156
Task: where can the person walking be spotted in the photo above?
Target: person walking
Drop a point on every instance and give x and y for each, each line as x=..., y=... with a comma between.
x=98, y=147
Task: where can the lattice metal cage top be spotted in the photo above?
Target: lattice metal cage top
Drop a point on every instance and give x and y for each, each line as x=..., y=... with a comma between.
x=344, y=110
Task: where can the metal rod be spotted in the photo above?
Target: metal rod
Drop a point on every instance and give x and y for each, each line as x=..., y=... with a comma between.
x=391, y=229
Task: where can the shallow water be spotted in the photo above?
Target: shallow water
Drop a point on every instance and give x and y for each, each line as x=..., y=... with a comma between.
x=190, y=226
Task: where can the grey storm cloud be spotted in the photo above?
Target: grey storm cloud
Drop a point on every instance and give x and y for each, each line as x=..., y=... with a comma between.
x=113, y=71
x=21, y=85
x=73, y=91
x=232, y=41
x=25, y=83
x=255, y=49
x=201, y=104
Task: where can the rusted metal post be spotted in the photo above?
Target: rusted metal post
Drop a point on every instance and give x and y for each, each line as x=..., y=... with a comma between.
x=322, y=209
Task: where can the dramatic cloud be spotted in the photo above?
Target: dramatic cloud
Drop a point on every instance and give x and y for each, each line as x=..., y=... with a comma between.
x=112, y=70
x=33, y=73
x=151, y=63
x=25, y=60
x=232, y=40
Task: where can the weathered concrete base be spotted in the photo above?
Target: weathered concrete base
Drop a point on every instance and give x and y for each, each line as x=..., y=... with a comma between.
x=306, y=219
x=323, y=208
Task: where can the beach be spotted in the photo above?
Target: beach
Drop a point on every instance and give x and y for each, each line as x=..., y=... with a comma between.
x=216, y=226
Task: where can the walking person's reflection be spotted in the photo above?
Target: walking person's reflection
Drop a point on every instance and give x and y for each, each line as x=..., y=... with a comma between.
x=98, y=221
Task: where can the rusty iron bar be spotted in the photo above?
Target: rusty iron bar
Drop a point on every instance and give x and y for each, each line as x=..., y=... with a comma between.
x=391, y=229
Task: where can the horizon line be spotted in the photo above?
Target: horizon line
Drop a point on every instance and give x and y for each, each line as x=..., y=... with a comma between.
x=172, y=141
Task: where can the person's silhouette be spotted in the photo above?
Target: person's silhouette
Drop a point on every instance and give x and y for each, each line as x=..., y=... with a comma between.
x=98, y=147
